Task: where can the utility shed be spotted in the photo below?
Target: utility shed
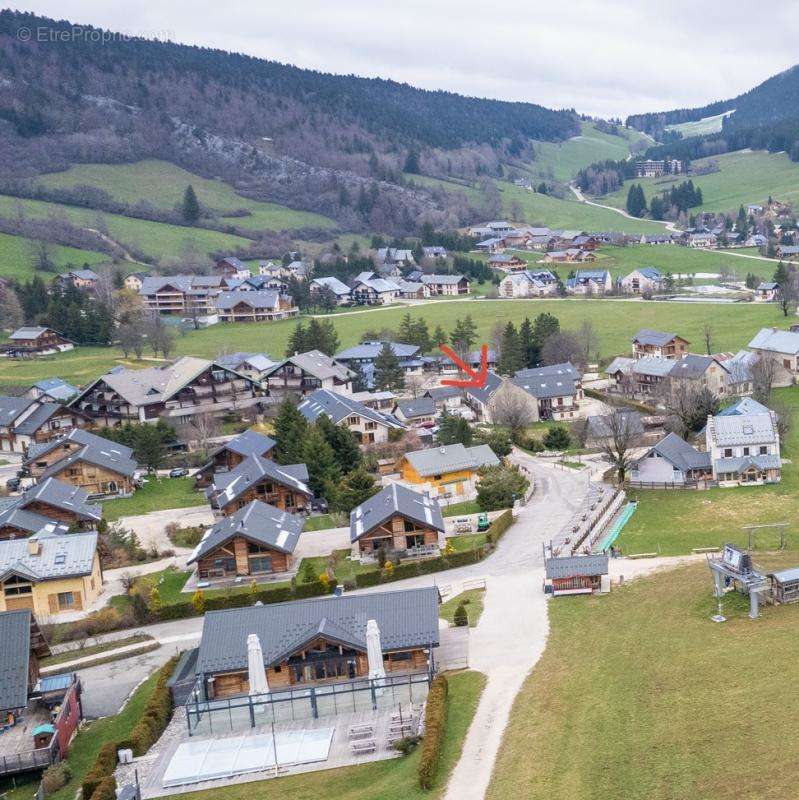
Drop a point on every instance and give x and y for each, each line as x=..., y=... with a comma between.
x=785, y=585
x=576, y=574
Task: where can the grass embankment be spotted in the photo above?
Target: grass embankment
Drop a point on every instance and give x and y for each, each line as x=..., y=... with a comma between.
x=472, y=600
x=673, y=522
x=155, y=495
x=93, y=650
x=614, y=323
x=393, y=779
x=16, y=258
x=640, y=695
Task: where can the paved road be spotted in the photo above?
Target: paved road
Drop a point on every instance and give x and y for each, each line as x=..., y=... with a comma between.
x=670, y=226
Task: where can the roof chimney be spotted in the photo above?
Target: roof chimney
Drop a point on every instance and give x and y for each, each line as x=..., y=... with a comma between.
x=34, y=546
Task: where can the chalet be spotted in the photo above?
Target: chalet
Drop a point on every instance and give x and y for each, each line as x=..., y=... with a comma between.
x=491, y=245
x=412, y=290
x=528, y=284
x=135, y=281
x=369, y=425
x=704, y=241
x=53, y=390
x=233, y=452
x=488, y=401
x=365, y=355
x=182, y=294
x=506, y=262
x=177, y=392
x=36, y=341
x=369, y=289
x=589, y=281
x=50, y=573
x=781, y=347
x=256, y=540
x=449, y=397
x=672, y=461
x=577, y=574
x=650, y=375
x=446, y=284
x=97, y=465
x=570, y=256
x=744, y=449
x=648, y=342
x=256, y=306
x=658, y=238
x=446, y=366
x=705, y=372
x=788, y=251
x=396, y=257
x=585, y=242
x=79, y=278
x=644, y=280
x=25, y=421
x=434, y=252
x=419, y=412
x=557, y=388
x=340, y=290
x=257, y=478
x=767, y=292
x=324, y=640
x=304, y=373
x=379, y=401
x=254, y=366
x=231, y=267
x=447, y=471
x=18, y=523
x=398, y=521
x=56, y=501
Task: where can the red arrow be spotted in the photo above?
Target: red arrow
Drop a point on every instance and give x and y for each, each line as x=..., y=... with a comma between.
x=475, y=379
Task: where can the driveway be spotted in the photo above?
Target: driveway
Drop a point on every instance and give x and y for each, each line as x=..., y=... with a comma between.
x=151, y=528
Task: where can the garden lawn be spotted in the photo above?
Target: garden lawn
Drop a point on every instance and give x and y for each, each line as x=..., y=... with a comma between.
x=319, y=523
x=639, y=695
x=16, y=258
x=392, y=779
x=673, y=522
x=614, y=321
x=473, y=603
x=744, y=177
x=162, y=184
x=461, y=509
x=155, y=495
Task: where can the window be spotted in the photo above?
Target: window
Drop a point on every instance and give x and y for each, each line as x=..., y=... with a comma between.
x=746, y=451
x=370, y=426
x=66, y=599
x=763, y=450
x=14, y=587
x=727, y=452
x=353, y=420
x=409, y=526
x=436, y=477
x=261, y=564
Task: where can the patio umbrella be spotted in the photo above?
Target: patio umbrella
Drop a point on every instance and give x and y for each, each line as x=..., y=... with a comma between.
x=374, y=652
x=256, y=671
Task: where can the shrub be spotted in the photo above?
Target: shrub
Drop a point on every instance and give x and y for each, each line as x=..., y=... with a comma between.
x=198, y=601
x=557, y=438
x=434, y=724
x=407, y=744
x=156, y=713
x=460, y=617
x=499, y=526
x=56, y=777
x=103, y=766
x=107, y=790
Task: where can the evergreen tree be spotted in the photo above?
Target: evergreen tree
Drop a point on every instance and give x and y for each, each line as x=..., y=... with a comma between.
x=439, y=336
x=421, y=335
x=544, y=326
x=290, y=431
x=412, y=162
x=359, y=382
x=190, y=209
x=511, y=358
x=356, y=488
x=405, y=330
x=297, y=340
x=323, y=469
x=149, y=447
x=322, y=336
x=781, y=274
x=636, y=201
x=344, y=443
x=742, y=223
x=527, y=343
x=453, y=429
x=389, y=375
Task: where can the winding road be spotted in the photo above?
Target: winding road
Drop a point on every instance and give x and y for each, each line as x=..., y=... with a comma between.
x=669, y=226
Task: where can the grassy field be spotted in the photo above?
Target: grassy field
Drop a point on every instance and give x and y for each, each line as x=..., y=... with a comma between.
x=745, y=177
x=472, y=600
x=155, y=495
x=640, y=696
x=392, y=779
x=155, y=239
x=562, y=160
x=674, y=522
x=699, y=127
x=614, y=321
x=162, y=184
x=16, y=258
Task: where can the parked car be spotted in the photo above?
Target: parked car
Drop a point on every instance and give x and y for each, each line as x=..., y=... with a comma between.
x=12, y=484
x=319, y=505
x=178, y=472
x=482, y=522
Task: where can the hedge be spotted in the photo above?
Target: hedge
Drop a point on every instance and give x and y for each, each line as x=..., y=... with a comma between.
x=410, y=569
x=107, y=790
x=435, y=719
x=103, y=766
x=499, y=526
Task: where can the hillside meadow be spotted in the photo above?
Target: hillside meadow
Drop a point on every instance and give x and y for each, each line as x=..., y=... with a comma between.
x=614, y=322
x=16, y=257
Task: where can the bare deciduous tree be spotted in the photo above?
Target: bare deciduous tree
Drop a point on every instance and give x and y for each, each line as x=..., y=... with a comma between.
x=707, y=333
x=511, y=407
x=620, y=438
x=589, y=339
x=764, y=371
x=561, y=347
x=200, y=429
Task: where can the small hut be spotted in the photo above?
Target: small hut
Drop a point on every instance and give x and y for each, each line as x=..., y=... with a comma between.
x=577, y=575
x=785, y=585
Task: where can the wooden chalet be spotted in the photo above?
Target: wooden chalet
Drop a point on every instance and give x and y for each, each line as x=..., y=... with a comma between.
x=232, y=453
x=54, y=502
x=36, y=341
x=27, y=421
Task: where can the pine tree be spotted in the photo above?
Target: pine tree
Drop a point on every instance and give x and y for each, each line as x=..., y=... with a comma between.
x=191, y=207
x=439, y=336
x=527, y=343
x=544, y=326
x=323, y=470
x=781, y=274
x=421, y=335
x=359, y=382
x=290, y=431
x=149, y=448
x=405, y=330
x=297, y=341
x=389, y=375
x=356, y=488
x=412, y=162
x=510, y=359
x=344, y=443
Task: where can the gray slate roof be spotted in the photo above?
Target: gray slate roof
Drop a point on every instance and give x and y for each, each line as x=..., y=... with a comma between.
x=371, y=350
x=61, y=556
x=12, y=407
x=556, y=380
x=776, y=341
x=406, y=619
x=56, y=388
x=235, y=361
x=444, y=280
x=418, y=407
x=15, y=634
x=76, y=437
x=34, y=421
x=258, y=299
x=395, y=499
x=744, y=429
x=576, y=566
x=259, y=522
x=339, y=407
x=336, y=286
x=106, y=457
x=61, y=495
x=28, y=522
x=693, y=366
x=680, y=454
x=230, y=485
x=316, y=363
x=483, y=394
x=451, y=458
x=439, y=393
x=653, y=337
x=744, y=405
x=742, y=463
x=653, y=365
x=29, y=332
x=249, y=443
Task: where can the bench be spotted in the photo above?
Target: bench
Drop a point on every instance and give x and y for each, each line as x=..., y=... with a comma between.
x=363, y=747
x=361, y=731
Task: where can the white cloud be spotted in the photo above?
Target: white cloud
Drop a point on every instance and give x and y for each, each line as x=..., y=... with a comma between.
x=604, y=57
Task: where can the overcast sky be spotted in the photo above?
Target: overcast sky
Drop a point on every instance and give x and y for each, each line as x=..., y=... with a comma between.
x=601, y=57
